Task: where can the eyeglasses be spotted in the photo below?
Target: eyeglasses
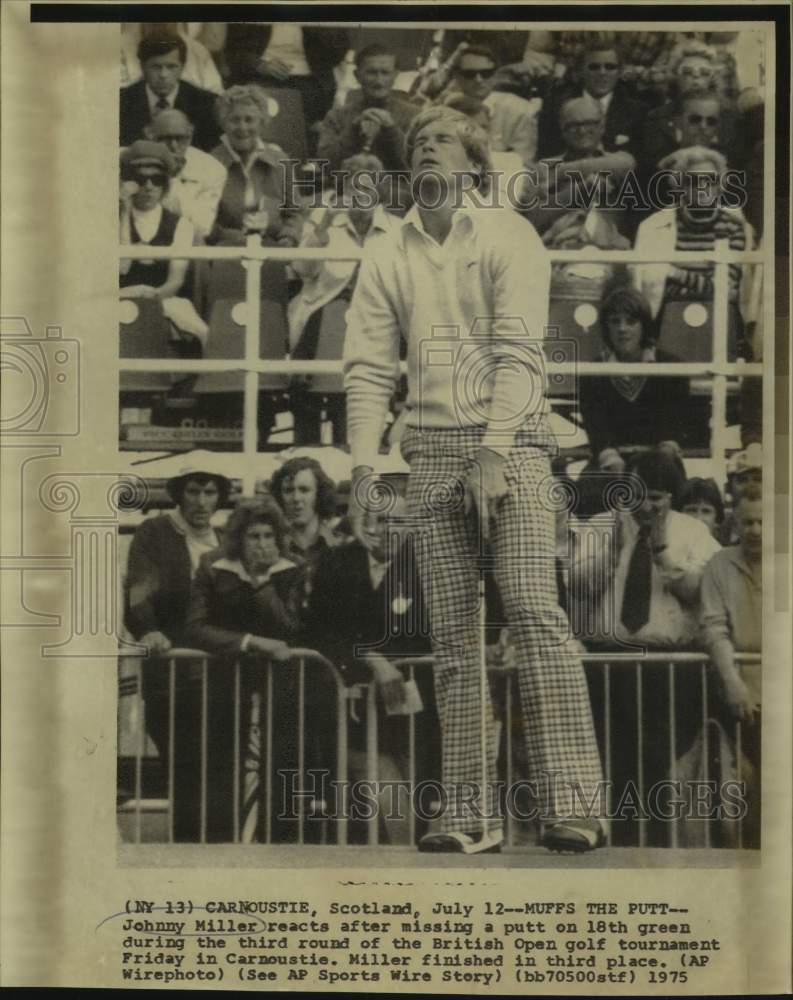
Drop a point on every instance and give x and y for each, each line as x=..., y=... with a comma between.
x=157, y=180
x=708, y=120
x=580, y=126
x=472, y=74
x=696, y=71
x=173, y=138
x=608, y=67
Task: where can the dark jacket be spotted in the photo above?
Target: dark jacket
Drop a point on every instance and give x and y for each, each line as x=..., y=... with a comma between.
x=624, y=118
x=157, y=591
x=246, y=43
x=224, y=608
x=197, y=104
x=340, y=135
x=345, y=611
x=661, y=411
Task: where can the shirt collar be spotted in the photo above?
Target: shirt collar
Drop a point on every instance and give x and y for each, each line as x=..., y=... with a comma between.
x=464, y=215
x=154, y=98
x=236, y=567
x=381, y=220
x=208, y=535
x=260, y=147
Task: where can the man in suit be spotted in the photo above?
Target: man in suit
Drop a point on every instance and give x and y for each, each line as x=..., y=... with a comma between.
x=162, y=59
x=379, y=613
x=599, y=78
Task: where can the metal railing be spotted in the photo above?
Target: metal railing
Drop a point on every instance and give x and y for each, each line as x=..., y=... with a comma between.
x=674, y=669
x=718, y=370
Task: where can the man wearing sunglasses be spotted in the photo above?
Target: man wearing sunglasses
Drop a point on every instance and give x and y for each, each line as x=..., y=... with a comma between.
x=597, y=76
x=513, y=120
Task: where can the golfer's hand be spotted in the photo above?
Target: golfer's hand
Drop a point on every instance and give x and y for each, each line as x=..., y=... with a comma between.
x=486, y=487
x=389, y=681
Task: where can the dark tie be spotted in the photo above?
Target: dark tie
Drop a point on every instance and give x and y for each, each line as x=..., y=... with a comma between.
x=162, y=103
x=636, y=602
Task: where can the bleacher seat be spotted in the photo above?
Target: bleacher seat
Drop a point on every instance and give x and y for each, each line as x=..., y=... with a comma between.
x=147, y=335
x=677, y=334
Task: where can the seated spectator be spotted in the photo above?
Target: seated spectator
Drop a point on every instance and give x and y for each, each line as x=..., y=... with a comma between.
x=744, y=470
x=692, y=75
x=701, y=499
x=146, y=170
x=246, y=600
x=199, y=68
x=696, y=224
x=648, y=594
x=620, y=411
x=584, y=163
x=732, y=621
x=597, y=76
x=373, y=119
x=300, y=57
x=162, y=60
x=199, y=179
x=307, y=496
x=355, y=222
x=163, y=558
x=378, y=613
x=253, y=198
x=512, y=120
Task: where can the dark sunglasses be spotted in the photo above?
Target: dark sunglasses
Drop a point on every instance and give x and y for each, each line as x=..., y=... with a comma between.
x=158, y=180
x=472, y=74
x=609, y=67
x=702, y=120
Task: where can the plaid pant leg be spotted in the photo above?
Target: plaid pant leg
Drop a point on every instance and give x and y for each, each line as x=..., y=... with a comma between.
x=446, y=556
x=561, y=745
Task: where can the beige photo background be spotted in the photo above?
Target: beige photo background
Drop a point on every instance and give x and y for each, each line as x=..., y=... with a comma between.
x=60, y=876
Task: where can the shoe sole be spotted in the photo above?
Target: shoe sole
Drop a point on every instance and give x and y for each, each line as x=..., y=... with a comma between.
x=451, y=846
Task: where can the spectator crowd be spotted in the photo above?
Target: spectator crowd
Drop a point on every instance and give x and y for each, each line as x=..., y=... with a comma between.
x=651, y=141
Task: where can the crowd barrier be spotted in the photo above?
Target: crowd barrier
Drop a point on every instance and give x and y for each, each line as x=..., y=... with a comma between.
x=358, y=705
x=251, y=366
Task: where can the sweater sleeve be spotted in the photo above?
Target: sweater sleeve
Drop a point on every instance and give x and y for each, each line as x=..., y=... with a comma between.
x=143, y=582
x=522, y=278
x=371, y=363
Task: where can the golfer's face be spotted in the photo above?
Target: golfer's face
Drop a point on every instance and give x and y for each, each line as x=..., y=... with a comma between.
x=439, y=151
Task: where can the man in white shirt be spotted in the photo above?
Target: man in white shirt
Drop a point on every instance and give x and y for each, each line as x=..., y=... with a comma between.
x=467, y=289
x=513, y=120
x=198, y=183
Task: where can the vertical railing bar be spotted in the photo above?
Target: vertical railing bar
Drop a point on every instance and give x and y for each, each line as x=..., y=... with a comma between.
x=607, y=747
x=141, y=705
x=721, y=291
x=672, y=746
x=171, y=744
x=739, y=770
x=301, y=735
x=268, y=768
x=342, y=763
x=640, y=752
x=204, y=741
x=373, y=829
x=508, y=743
x=250, y=423
x=236, y=764
x=411, y=764
x=705, y=744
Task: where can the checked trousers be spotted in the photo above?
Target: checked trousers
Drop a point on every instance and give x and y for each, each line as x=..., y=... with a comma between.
x=561, y=746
